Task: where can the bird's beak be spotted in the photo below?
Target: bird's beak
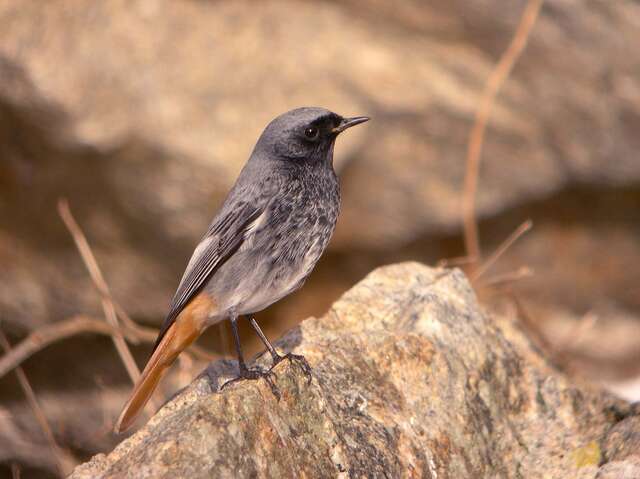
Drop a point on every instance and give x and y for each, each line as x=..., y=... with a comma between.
x=349, y=122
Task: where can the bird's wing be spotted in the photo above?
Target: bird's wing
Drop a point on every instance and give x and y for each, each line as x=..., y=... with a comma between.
x=224, y=236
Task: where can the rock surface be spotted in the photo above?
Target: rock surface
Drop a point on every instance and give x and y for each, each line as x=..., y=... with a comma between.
x=410, y=379
x=142, y=112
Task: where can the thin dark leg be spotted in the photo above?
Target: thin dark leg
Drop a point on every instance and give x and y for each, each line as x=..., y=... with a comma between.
x=238, y=345
x=274, y=354
x=245, y=372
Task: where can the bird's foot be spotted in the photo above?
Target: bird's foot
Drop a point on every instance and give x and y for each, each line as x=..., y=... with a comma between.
x=253, y=374
x=298, y=358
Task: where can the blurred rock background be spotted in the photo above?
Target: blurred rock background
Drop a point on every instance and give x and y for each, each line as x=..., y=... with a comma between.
x=142, y=113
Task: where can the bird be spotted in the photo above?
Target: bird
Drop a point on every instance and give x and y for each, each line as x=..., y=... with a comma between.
x=263, y=243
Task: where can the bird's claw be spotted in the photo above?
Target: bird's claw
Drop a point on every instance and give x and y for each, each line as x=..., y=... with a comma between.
x=253, y=374
x=298, y=358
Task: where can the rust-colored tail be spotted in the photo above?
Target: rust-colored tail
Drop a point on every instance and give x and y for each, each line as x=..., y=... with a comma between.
x=178, y=337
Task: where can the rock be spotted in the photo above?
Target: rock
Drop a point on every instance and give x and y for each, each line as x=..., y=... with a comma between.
x=410, y=379
x=142, y=112
x=620, y=469
x=582, y=296
x=623, y=440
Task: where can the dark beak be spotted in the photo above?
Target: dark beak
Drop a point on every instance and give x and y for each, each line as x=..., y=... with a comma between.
x=349, y=122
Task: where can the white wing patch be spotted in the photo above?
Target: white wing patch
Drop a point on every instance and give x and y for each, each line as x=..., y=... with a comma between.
x=201, y=248
x=249, y=233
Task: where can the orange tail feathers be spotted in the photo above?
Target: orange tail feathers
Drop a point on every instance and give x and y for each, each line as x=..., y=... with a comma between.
x=178, y=337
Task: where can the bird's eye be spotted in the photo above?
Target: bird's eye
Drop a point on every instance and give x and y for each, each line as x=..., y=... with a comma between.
x=311, y=133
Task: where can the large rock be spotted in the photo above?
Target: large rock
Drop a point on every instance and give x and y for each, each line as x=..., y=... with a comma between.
x=142, y=113
x=410, y=379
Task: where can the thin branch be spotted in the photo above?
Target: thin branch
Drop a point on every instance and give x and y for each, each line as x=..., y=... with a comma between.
x=137, y=333
x=521, y=273
x=64, y=461
x=506, y=244
x=150, y=335
x=40, y=339
x=125, y=318
x=532, y=328
x=476, y=138
x=46, y=335
x=96, y=275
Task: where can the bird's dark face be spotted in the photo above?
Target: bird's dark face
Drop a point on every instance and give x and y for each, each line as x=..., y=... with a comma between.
x=306, y=134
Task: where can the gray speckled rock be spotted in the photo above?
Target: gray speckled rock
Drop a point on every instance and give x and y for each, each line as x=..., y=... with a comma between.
x=410, y=380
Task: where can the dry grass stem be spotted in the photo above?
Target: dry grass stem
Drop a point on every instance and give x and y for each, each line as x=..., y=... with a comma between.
x=134, y=333
x=46, y=335
x=521, y=273
x=500, y=250
x=531, y=327
x=64, y=461
x=96, y=275
x=111, y=309
x=139, y=333
x=67, y=328
x=474, y=149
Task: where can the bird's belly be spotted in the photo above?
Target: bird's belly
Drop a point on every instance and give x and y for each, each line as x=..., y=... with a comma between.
x=276, y=283
x=275, y=259
x=250, y=281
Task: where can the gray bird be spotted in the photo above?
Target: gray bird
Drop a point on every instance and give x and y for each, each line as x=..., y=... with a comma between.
x=270, y=232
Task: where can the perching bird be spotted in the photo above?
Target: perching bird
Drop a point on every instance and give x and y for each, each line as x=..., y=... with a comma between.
x=270, y=232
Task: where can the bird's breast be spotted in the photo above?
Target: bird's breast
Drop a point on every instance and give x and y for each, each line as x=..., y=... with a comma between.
x=281, y=246
x=286, y=242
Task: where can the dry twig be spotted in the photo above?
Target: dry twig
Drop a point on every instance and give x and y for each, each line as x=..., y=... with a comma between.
x=96, y=275
x=506, y=244
x=46, y=335
x=67, y=328
x=474, y=149
x=532, y=328
x=509, y=277
x=130, y=330
x=520, y=273
x=134, y=333
x=138, y=333
x=64, y=460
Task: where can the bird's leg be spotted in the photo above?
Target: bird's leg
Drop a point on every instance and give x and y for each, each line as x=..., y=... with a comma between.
x=245, y=372
x=276, y=357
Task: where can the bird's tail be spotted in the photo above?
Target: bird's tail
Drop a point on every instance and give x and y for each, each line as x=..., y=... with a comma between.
x=178, y=337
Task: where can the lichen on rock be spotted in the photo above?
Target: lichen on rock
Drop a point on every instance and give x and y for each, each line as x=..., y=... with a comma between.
x=410, y=379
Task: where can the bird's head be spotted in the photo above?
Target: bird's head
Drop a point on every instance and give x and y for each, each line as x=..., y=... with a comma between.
x=304, y=134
